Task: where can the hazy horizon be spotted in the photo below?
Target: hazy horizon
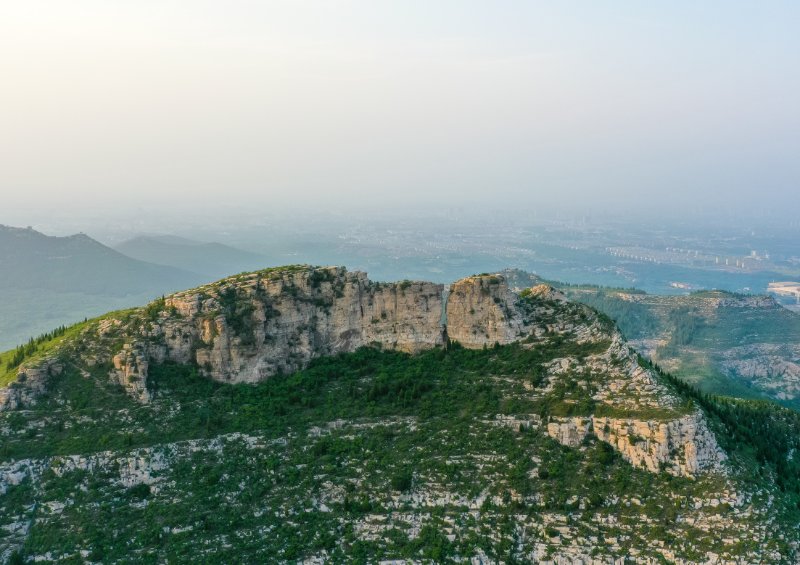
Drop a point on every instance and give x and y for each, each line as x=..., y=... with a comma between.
x=146, y=107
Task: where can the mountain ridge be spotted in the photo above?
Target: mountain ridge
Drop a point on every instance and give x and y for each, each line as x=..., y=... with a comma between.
x=309, y=357
x=213, y=260
x=65, y=259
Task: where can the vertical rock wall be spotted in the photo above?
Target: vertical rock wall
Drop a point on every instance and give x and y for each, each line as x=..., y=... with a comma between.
x=248, y=328
x=482, y=310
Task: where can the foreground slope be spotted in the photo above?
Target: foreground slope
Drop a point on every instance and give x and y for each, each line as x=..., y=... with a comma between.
x=304, y=413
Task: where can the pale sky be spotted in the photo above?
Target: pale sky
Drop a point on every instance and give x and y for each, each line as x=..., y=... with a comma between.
x=260, y=102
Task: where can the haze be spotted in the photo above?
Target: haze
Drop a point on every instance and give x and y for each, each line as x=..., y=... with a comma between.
x=147, y=105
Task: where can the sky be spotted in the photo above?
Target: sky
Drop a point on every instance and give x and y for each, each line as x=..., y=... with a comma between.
x=159, y=104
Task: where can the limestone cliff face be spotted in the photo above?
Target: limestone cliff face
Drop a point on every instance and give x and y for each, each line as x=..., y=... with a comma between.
x=482, y=310
x=683, y=446
x=637, y=415
x=32, y=379
x=774, y=367
x=569, y=431
x=251, y=327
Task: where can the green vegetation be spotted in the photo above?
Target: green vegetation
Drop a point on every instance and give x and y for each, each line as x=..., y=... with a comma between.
x=372, y=426
x=376, y=455
x=703, y=337
x=435, y=382
x=319, y=276
x=27, y=350
x=633, y=318
x=238, y=313
x=36, y=348
x=356, y=433
x=756, y=430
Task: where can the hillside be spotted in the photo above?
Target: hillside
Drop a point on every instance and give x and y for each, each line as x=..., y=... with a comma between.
x=723, y=343
x=212, y=260
x=47, y=281
x=311, y=414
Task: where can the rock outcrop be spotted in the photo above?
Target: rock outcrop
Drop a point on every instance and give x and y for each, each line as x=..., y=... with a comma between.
x=569, y=431
x=32, y=379
x=251, y=327
x=682, y=446
x=482, y=310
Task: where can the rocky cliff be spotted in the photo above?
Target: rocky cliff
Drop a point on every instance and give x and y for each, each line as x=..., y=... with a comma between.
x=250, y=327
x=482, y=310
x=731, y=344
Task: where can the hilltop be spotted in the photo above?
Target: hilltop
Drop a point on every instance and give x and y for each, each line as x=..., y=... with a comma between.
x=304, y=413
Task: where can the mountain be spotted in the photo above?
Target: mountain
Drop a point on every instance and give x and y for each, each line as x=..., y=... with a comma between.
x=212, y=260
x=46, y=281
x=723, y=343
x=311, y=415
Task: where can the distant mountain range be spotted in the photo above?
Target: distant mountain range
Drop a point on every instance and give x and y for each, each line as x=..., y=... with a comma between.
x=213, y=260
x=77, y=263
x=46, y=281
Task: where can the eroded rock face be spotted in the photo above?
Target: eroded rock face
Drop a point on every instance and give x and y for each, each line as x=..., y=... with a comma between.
x=31, y=381
x=654, y=430
x=482, y=310
x=249, y=328
x=773, y=367
x=682, y=446
x=569, y=431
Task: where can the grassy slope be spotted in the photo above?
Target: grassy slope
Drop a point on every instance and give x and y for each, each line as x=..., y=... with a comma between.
x=427, y=424
x=44, y=346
